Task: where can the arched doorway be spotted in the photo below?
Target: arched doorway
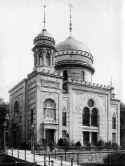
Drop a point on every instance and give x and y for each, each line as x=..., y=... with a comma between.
x=50, y=115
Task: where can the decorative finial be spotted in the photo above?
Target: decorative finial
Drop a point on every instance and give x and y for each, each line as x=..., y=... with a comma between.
x=111, y=81
x=44, y=14
x=70, y=18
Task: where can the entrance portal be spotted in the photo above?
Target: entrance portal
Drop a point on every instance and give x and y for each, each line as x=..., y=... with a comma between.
x=50, y=136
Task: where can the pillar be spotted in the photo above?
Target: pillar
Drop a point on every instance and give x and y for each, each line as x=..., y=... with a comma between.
x=90, y=137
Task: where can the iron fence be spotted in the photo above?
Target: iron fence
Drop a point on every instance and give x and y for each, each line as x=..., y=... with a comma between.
x=62, y=158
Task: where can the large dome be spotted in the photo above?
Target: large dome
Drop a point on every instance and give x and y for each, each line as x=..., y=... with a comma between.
x=73, y=53
x=70, y=43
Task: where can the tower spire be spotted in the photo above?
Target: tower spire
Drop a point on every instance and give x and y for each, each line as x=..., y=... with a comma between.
x=111, y=80
x=44, y=14
x=70, y=18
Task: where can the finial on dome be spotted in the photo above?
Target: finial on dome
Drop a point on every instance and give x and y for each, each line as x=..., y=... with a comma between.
x=111, y=81
x=44, y=14
x=70, y=18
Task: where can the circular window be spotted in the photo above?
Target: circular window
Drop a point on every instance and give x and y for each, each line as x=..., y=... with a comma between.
x=90, y=103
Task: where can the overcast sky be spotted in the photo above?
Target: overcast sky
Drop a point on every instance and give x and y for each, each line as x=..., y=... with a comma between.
x=97, y=23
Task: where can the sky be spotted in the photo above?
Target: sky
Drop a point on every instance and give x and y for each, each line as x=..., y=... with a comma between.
x=99, y=24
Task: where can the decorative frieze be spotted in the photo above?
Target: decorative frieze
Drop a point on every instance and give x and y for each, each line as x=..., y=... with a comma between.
x=90, y=84
x=50, y=84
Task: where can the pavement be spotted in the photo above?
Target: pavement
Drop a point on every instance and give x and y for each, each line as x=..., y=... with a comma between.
x=39, y=159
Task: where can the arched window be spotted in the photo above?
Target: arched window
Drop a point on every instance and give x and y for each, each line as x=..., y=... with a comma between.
x=86, y=116
x=90, y=103
x=48, y=59
x=50, y=109
x=94, y=117
x=16, y=108
x=114, y=121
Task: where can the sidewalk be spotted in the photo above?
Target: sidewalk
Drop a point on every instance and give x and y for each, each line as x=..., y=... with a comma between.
x=39, y=159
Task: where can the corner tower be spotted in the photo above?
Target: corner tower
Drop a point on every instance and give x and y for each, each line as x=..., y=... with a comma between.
x=44, y=49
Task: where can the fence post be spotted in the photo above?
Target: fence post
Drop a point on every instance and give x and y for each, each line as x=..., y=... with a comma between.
x=61, y=160
x=44, y=159
x=71, y=161
x=78, y=158
x=49, y=159
x=55, y=154
x=18, y=154
x=52, y=163
x=65, y=155
x=34, y=155
x=12, y=151
x=25, y=154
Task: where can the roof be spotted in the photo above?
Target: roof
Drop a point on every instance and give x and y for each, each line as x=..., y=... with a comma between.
x=44, y=32
x=70, y=43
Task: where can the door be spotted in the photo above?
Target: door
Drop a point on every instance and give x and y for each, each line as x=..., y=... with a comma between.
x=50, y=133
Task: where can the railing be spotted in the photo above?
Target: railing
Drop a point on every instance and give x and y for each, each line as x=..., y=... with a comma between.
x=61, y=158
x=45, y=159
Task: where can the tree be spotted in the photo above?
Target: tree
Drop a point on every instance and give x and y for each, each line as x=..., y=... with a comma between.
x=3, y=111
x=116, y=158
x=122, y=124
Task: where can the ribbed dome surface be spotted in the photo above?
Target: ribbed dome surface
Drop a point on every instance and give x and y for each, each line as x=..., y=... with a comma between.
x=44, y=32
x=70, y=43
x=44, y=38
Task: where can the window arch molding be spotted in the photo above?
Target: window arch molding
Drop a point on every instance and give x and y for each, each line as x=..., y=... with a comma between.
x=49, y=107
x=90, y=114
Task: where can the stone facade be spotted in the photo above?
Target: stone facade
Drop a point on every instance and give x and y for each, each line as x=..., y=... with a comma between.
x=59, y=100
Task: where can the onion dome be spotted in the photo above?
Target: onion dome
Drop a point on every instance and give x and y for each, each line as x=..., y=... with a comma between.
x=44, y=39
x=74, y=53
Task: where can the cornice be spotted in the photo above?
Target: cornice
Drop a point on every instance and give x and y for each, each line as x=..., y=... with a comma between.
x=90, y=85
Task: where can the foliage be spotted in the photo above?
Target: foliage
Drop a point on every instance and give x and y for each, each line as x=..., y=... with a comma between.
x=3, y=112
x=117, y=158
x=115, y=146
x=100, y=144
x=88, y=146
x=64, y=143
x=78, y=144
x=108, y=145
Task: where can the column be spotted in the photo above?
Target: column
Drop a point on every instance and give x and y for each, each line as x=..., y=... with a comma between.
x=51, y=60
x=37, y=63
x=90, y=138
x=44, y=59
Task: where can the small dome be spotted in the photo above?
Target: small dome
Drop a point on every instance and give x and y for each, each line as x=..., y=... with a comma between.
x=44, y=32
x=44, y=38
x=70, y=43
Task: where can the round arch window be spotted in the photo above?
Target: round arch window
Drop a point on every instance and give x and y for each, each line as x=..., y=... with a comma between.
x=86, y=116
x=94, y=117
x=50, y=109
x=90, y=103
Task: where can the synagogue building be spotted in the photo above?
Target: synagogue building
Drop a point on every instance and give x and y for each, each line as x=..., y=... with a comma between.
x=58, y=99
